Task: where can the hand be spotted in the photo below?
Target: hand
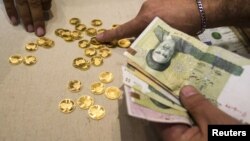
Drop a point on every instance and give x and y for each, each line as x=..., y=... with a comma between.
x=180, y=14
x=203, y=113
x=30, y=12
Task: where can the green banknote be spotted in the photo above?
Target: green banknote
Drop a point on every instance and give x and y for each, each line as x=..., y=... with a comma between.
x=174, y=59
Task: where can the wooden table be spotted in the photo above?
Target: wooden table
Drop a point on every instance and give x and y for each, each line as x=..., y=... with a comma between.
x=30, y=94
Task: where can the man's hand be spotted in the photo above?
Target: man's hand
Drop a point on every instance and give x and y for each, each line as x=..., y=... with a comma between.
x=203, y=113
x=30, y=12
x=180, y=14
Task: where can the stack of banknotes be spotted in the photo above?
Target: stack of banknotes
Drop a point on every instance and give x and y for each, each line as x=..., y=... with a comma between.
x=162, y=60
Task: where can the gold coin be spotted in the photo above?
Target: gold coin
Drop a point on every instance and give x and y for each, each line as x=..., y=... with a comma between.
x=15, y=59
x=83, y=43
x=41, y=41
x=112, y=93
x=59, y=31
x=66, y=33
x=49, y=44
x=105, y=52
x=106, y=77
x=124, y=43
x=91, y=32
x=90, y=51
x=75, y=86
x=97, y=88
x=96, y=46
x=81, y=27
x=93, y=41
x=96, y=112
x=97, y=60
x=74, y=21
x=29, y=60
x=68, y=39
x=85, y=102
x=81, y=63
x=31, y=47
x=100, y=30
x=96, y=22
x=76, y=35
x=67, y=106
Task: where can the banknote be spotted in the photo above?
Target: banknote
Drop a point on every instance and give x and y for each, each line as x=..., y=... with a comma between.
x=143, y=87
x=142, y=112
x=174, y=59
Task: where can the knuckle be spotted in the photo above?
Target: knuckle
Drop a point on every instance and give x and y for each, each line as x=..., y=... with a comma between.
x=21, y=2
x=34, y=3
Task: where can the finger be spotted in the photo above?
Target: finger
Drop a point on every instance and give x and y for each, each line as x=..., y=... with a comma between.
x=24, y=13
x=129, y=29
x=201, y=109
x=46, y=4
x=37, y=16
x=11, y=11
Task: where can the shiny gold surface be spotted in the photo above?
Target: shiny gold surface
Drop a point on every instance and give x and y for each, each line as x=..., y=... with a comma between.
x=97, y=88
x=15, y=59
x=96, y=60
x=31, y=46
x=96, y=22
x=96, y=112
x=106, y=77
x=91, y=51
x=124, y=43
x=83, y=43
x=76, y=35
x=67, y=106
x=91, y=32
x=81, y=27
x=93, y=41
x=75, y=86
x=105, y=52
x=74, y=21
x=30, y=60
x=112, y=93
x=84, y=102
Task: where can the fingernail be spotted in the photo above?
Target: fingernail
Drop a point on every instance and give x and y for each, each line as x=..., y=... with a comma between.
x=99, y=36
x=40, y=31
x=13, y=20
x=30, y=28
x=188, y=91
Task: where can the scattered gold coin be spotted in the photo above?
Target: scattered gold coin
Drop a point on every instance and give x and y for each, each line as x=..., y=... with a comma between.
x=91, y=51
x=93, y=41
x=76, y=35
x=59, y=32
x=67, y=106
x=106, y=77
x=105, y=52
x=31, y=46
x=83, y=43
x=100, y=30
x=75, y=85
x=97, y=88
x=85, y=102
x=96, y=112
x=81, y=27
x=15, y=59
x=124, y=43
x=96, y=22
x=29, y=60
x=91, y=32
x=112, y=93
x=74, y=21
x=97, y=60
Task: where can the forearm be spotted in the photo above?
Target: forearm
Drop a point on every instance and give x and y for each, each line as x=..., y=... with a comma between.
x=227, y=12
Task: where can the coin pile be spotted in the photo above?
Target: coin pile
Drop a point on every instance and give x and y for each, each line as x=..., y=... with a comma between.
x=87, y=102
x=31, y=46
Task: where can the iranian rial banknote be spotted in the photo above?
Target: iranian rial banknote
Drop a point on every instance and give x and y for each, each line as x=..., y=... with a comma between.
x=174, y=59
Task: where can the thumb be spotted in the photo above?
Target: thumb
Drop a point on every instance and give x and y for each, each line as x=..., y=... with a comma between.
x=202, y=110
